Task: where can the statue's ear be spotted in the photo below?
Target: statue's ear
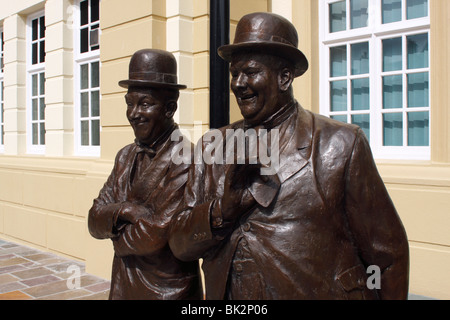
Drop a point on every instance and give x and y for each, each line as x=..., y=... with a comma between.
x=285, y=78
x=171, y=108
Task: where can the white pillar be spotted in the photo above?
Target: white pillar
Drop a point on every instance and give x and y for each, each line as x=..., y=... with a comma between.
x=283, y=8
x=59, y=84
x=180, y=33
x=14, y=31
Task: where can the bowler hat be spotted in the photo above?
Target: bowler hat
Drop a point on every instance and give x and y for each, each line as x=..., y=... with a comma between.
x=152, y=68
x=265, y=32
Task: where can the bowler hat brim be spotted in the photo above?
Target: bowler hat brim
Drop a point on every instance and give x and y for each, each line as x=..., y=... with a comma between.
x=279, y=49
x=150, y=84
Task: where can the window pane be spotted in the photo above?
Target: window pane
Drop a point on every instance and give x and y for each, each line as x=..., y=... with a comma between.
x=338, y=95
x=95, y=103
x=392, y=54
x=360, y=58
x=416, y=9
x=341, y=118
x=418, y=51
x=42, y=51
x=34, y=29
x=95, y=10
x=42, y=133
x=392, y=129
x=418, y=90
x=95, y=80
x=41, y=108
x=360, y=94
x=84, y=70
x=392, y=10
x=95, y=127
x=84, y=40
x=84, y=133
x=359, y=15
x=34, y=109
x=34, y=129
x=93, y=37
x=85, y=104
x=34, y=53
x=338, y=19
x=42, y=27
x=363, y=121
x=42, y=83
x=338, y=61
x=392, y=92
x=34, y=85
x=84, y=14
x=418, y=129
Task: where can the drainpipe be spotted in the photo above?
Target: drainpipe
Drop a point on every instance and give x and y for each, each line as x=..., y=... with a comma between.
x=219, y=79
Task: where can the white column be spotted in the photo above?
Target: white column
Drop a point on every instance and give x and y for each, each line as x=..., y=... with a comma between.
x=283, y=8
x=14, y=29
x=180, y=34
x=59, y=78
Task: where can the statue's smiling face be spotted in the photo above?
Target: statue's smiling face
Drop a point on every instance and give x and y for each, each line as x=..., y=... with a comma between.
x=255, y=85
x=146, y=113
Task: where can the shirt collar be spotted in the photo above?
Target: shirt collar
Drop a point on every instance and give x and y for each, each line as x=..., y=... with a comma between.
x=152, y=149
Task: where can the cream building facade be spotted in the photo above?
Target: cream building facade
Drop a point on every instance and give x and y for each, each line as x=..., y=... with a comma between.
x=63, y=114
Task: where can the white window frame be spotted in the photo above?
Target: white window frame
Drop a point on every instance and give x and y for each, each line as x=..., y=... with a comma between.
x=374, y=33
x=2, y=95
x=80, y=59
x=32, y=70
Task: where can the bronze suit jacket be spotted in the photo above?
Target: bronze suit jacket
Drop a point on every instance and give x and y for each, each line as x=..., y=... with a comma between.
x=143, y=265
x=330, y=219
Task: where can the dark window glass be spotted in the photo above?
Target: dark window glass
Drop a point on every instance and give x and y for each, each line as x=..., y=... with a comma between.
x=42, y=27
x=84, y=40
x=42, y=52
x=34, y=53
x=95, y=128
x=95, y=10
x=84, y=14
x=34, y=29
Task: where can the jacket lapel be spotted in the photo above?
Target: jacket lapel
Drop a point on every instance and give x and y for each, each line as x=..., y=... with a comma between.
x=152, y=175
x=295, y=156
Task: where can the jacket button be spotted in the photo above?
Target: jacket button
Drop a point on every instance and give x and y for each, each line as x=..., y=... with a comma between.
x=246, y=227
x=238, y=268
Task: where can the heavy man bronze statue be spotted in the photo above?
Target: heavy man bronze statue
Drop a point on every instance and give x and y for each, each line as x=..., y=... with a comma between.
x=135, y=207
x=313, y=229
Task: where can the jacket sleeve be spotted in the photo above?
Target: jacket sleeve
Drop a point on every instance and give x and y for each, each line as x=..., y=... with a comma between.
x=191, y=234
x=103, y=214
x=150, y=233
x=378, y=232
x=195, y=229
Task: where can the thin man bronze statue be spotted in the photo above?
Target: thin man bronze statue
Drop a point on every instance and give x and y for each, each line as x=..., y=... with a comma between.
x=135, y=207
x=315, y=228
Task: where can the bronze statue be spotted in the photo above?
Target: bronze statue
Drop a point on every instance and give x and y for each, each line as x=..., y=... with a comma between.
x=317, y=227
x=136, y=204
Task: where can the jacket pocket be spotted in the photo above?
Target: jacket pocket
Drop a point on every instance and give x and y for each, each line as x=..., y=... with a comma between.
x=353, y=281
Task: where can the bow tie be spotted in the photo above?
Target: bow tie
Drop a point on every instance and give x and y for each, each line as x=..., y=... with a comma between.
x=141, y=148
x=151, y=150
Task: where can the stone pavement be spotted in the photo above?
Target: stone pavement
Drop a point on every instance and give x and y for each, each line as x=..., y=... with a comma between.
x=30, y=274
